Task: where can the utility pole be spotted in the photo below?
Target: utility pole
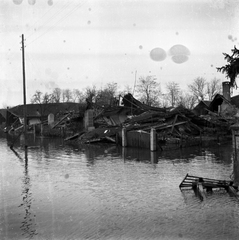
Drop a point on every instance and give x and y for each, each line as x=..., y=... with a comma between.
x=134, y=81
x=24, y=92
x=133, y=91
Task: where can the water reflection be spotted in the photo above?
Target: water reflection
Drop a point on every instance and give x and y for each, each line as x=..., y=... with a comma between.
x=217, y=154
x=28, y=225
x=235, y=173
x=108, y=192
x=13, y=138
x=139, y=155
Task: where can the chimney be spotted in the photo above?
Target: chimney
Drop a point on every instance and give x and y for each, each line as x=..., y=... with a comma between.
x=226, y=90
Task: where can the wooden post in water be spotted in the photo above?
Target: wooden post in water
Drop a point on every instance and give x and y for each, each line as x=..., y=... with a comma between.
x=124, y=151
x=24, y=92
x=34, y=131
x=124, y=137
x=153, y=140
x=235, y=144
x=153, y=157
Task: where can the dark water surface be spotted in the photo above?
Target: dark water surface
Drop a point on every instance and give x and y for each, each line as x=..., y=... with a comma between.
x=104, y=192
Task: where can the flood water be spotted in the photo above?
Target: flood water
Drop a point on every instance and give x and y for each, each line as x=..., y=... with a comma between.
x=59, y=191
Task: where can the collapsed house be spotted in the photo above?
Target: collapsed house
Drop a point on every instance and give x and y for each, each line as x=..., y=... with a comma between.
x=209, y=122
x=45, y=119
x=178, y=127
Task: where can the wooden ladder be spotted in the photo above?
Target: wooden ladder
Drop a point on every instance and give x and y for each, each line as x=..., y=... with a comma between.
x=189, y=181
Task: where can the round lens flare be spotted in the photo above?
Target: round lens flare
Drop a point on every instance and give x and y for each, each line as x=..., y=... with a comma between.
x=17, y=2
x=179, y=53
x=158, y=54
x=31, y=2
x=50, y=2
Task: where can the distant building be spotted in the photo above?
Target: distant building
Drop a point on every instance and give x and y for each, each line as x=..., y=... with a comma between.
x=221, y=104
x=37, y=113
x=3, y=113
x=201, y=108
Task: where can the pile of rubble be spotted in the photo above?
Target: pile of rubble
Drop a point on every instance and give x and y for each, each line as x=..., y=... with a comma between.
x=178, y=126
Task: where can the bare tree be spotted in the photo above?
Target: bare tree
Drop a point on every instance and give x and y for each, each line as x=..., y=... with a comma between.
x=47, y=98
x=164, y=100
x=198, y=88
x=66, y=95
x=91, y=93
x=40, y=98
x=111, y=88
x=187, y=100
x=107, y=95
x=37, y=97
x=148, y=90
x=173, y=91
x=213, y=87
x=56, y=95
x=78, y=96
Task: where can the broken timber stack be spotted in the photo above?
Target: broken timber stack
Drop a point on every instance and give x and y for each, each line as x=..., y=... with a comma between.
x=198, y=184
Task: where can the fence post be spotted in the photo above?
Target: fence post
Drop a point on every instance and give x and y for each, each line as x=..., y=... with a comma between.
x=153, y=140
x=153, y=157
x=124, y=137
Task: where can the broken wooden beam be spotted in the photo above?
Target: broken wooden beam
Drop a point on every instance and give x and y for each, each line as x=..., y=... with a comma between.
x=232, y=191
x=181, y=184
x=72, y=137
x=198, y=189
x=174, y=121
x=61, y=120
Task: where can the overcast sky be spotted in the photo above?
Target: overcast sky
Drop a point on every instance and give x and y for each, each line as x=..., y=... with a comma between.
x=78, y=43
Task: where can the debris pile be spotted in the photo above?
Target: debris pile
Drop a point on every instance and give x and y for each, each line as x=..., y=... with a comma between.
x=179, y=126
x=175, y=127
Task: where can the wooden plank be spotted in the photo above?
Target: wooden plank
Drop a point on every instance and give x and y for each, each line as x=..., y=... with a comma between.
x=198, y=191
x=16, y=129
x=200, y=188
x=183, y=180
x=189, y=181
x=138, y=139
x=61, y=120
x=212, y=185
x=232, y=191
x=209, y=179
x=174, y=121
x=72, y=137
x=186, y=185
x=94, y=140
x=176, y=124
x=110, y=139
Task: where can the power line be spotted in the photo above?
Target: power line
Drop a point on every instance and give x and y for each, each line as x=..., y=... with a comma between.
x=64, y=17
x=46, y=21
x=31, y=62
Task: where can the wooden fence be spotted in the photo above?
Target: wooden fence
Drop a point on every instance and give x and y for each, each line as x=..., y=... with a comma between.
x=138, y=139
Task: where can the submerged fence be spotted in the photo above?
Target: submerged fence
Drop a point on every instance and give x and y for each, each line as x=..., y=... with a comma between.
x=139, y=139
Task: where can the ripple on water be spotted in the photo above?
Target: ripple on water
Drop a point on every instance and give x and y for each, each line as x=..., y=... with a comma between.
x=101, y=193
